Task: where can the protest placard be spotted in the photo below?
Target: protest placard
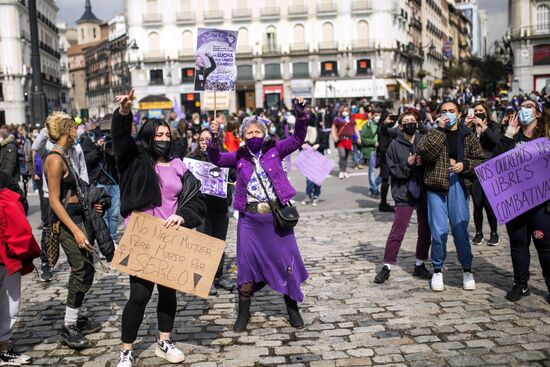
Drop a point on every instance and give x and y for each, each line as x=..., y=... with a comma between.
x=517, y=180
x=213, y=178
x=215, y=68
x=182, y=259
x=315, y=166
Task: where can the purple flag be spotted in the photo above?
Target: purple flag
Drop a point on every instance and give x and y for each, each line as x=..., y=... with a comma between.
x=177, y=109
x=517, y=180
x=315, y=166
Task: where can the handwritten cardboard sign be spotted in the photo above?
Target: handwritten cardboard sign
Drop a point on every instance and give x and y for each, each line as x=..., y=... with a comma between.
x=315, y=166
x=181, y=258
x=517, y=180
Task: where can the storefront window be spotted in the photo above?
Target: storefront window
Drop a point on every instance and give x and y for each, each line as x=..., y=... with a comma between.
x=272, y=71
x=329, y=68
x=156, y=77
x=244, y=72
x=187, y=75
x=363, y=66
x=300, y=70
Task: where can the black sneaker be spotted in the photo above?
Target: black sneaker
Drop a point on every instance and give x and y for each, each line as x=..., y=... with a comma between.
x=46, y=273
x=385, y=208
x=72, y=336
x=421, y=272
x=518, y=291
x=294, y=316
x=87, y=326
x=478, y=238
x=12, y=358
x=382, y=276
x=494, y=240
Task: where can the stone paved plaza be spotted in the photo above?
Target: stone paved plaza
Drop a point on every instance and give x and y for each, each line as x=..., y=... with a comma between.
x=350, y=321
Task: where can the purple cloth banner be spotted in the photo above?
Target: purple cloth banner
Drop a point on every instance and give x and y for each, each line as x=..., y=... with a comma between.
x=517, y=180
x=315, y=166
x=215, y=68
x=213, y=178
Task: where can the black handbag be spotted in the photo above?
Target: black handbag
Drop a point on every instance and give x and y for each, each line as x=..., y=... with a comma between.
x=285, y=217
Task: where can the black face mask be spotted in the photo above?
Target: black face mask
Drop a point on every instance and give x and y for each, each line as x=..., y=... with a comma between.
x=481, y=116
x=161, y=148
x=409, y=129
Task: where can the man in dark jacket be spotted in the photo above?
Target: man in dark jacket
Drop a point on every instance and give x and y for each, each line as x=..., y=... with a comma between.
x=8, y=155
x=450, y=153
x=385, y=137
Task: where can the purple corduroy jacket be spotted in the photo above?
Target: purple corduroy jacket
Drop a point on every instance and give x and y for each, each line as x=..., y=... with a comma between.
x=271, y=161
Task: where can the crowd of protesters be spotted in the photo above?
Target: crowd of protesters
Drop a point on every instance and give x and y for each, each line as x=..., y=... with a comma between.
x=85, y=173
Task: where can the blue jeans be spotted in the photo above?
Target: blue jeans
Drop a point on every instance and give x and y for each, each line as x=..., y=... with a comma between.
x=357, y=155
x=111, y=214
x=374, y=178
x=452, y=208
x=313, y=191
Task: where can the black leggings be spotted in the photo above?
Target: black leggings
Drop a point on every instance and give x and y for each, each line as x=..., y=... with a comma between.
x=215, y=225
x=535, y=225
x=140, y=293
x=480, y=202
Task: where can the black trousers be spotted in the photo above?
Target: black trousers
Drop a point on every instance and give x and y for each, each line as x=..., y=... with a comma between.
x=215, y=224
x=44, y=214
x=480, y=202
x=140, y=294
x=533, y=224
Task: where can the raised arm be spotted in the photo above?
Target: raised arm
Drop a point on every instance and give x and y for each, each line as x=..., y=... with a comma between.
x=124, y=147
x=294, y=142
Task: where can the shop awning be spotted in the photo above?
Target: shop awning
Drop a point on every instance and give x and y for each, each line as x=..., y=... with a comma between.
x=355, y=88
x=301, y=88
x=155, y=102
x=405, y=86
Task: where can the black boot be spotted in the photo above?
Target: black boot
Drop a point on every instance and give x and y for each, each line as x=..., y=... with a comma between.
x=72, y=336
x=87, y=326
x=243, y=317
x=293, y=313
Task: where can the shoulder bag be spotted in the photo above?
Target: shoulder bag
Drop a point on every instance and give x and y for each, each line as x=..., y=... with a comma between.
x=285, y=217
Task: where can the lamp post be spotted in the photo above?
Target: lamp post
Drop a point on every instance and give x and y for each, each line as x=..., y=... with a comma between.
x=39, y=106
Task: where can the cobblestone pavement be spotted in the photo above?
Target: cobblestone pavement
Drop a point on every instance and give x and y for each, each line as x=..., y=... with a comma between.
x=350, y=321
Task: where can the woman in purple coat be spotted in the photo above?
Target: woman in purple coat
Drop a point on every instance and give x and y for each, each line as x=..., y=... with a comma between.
x=265, y=254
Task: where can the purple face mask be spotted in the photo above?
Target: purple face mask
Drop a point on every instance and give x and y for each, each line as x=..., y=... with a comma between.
x=254, y=144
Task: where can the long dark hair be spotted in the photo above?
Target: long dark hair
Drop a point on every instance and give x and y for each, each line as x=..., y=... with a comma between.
x=488, y=111
x=147, y=133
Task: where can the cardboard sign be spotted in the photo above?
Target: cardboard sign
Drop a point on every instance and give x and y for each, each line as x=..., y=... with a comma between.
x=315, y=166
x=181, y=259
x=517, y=180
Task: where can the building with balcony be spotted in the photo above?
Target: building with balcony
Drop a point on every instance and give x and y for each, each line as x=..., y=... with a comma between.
x=529, y=32
x=324, y=50
x=478, y=21
x=15, y=59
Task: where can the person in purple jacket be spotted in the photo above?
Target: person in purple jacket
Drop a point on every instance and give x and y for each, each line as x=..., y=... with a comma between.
x=265, y=254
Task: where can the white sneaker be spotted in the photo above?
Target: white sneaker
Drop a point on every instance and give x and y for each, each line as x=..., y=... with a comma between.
x=315, y=202
x=341, y=175
x=306, y=201
x=346, y=175
x=468, y=282
x=167, y=350
x=126, y=359
x=12, y=358
x=437, y=282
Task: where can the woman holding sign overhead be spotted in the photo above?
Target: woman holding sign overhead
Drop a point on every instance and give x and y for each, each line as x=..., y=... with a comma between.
x=267, y=252
x=152, y=182
x=527, y=125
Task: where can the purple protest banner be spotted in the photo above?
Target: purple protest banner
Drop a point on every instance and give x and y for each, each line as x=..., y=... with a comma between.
x=517, y=180
x=315, y=166
x=213, y=178
x=215, y=68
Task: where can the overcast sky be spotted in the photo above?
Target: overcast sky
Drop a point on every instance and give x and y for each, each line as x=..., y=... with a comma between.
x=71, y=10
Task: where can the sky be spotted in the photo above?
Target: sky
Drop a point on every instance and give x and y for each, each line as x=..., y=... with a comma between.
x=71, y=10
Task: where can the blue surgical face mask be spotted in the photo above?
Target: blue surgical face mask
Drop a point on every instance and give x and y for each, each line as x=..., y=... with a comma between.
x=452, y=120
x=525, y=116
x=205, y=125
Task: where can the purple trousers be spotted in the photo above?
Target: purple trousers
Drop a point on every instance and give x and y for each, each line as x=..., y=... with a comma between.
x=402, y=217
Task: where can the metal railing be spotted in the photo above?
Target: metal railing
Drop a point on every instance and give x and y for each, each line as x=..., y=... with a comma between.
x=242, y=14
x=244, y=49
x=361, y=5
x=328, y=45
x=185, y=17
x=298, y=46
x=541, y=29
x=297, y=10
x=153, y=55
x=186, y=52
x=213, y=15
x=270, y=12
x=271, y=49
x=326, y=7
x=363, y=45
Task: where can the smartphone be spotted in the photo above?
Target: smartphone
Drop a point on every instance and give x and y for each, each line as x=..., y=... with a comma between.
x=470, y=112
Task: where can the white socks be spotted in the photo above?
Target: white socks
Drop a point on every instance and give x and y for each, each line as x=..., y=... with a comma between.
x=71, y=315
x=419, y=262
x=388, y=265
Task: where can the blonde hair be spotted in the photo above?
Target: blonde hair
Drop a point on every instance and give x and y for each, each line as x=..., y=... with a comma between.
x=58, y=123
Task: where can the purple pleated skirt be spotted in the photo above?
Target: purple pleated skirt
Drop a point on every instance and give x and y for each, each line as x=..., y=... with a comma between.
x=267, y=255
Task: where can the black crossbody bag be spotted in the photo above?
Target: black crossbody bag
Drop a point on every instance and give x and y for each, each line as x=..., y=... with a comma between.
x=285, y=217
